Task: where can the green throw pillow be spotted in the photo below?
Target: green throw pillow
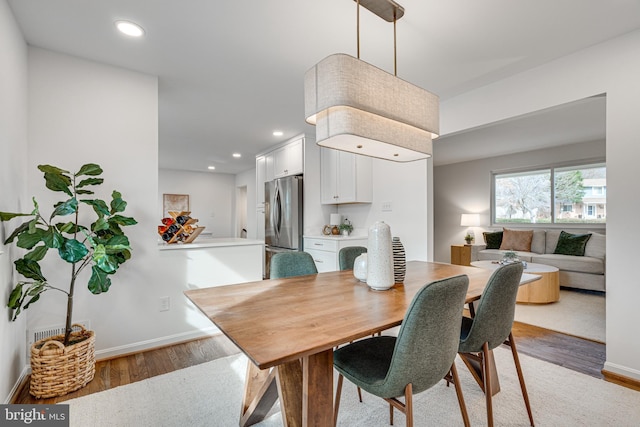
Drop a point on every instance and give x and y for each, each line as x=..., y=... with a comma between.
x=571, y=244
x=493, y=239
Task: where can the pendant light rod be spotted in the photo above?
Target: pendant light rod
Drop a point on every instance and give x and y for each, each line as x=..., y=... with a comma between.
x=395, y=53
x=388, y=10
x=358, y=26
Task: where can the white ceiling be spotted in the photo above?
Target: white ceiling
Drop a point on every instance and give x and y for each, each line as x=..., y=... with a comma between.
x=232, y=72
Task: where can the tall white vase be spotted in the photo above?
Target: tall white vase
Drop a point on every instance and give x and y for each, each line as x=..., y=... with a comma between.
x=379, y=257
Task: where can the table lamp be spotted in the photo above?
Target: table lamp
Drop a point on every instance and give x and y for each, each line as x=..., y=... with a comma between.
x=470, y=220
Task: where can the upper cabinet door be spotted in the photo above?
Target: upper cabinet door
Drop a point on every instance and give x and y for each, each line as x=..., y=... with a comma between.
x=345, y=177
x=289, y=160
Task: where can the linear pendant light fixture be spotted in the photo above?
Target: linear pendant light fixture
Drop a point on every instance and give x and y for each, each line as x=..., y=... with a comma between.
x=362, y=109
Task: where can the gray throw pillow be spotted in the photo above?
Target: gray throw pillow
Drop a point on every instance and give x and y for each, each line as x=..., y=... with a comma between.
x=571, y=244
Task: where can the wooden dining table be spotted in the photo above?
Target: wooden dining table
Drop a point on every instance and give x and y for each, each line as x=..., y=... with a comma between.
x=289, y=327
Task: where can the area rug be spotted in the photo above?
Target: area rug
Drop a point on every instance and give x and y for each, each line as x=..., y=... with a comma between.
x=210, y=395
x=576, y=313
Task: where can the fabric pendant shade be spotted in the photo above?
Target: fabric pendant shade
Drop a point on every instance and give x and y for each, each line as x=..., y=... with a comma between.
x=362, y=109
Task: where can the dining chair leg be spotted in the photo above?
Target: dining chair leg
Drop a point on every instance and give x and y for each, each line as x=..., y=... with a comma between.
x=487, y=383
x=523, y=387
x=360, y=394
x=456, y=384
x=337, y=403
x=408, y=404
x=390, y=414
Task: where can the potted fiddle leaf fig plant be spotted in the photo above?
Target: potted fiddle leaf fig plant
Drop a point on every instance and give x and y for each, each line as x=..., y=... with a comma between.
x=101, y=246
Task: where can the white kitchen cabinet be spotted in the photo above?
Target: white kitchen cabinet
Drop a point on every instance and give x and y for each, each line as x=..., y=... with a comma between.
x=345, y=177
x=269, y=171
x=324, y=250
x=289, y=159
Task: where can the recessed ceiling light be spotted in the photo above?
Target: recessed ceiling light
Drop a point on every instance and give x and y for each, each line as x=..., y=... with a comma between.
x=130, y=28
x=211, y=168
x=237, y=155
x=277, y=133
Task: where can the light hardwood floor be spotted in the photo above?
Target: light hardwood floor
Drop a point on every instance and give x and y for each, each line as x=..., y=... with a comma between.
x=574, y=353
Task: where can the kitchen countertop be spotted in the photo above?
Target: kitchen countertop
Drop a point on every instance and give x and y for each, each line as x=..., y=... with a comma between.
x=336, y=237
x=215, y=242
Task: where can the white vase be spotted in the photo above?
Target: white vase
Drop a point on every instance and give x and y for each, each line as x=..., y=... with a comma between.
x=360, y=267
x=379, y=257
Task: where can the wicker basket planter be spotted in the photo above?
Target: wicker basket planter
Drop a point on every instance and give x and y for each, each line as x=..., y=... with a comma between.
x=57, y=370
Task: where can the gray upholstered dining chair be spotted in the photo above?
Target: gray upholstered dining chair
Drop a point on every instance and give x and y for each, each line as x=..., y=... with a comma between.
x=346, y=256
x=289, y=264
x=420, y=356
x=491, y=327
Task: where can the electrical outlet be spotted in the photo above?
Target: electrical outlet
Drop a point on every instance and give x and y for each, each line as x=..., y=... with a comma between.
x=386, y=206
x=165, y=303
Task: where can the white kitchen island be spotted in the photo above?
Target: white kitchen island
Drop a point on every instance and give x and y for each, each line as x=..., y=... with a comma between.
x=215, y=261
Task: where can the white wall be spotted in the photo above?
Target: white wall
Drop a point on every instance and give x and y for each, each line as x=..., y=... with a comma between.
x=13, y=145
x=613, y=68
x=79, y=112
x=211, y=198
x=466, y=188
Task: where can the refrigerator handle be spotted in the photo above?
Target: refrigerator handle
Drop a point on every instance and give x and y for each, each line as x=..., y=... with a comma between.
x=278, y=211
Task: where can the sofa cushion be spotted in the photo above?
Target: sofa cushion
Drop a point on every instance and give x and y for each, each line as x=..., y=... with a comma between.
x=516, y=240
x=596, y=246
x=538, y=241
x=492, y=239
x=571, y=244
x=582, y=264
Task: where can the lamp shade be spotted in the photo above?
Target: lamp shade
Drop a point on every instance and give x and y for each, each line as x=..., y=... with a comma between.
x=362, y=109
x=470, y=220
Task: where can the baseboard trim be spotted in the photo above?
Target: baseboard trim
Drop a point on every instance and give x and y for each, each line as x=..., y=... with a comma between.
x=13, y=394
x=622, y=380
x=137, y=347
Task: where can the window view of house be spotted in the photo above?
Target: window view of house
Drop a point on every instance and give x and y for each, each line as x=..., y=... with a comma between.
x=578, y=192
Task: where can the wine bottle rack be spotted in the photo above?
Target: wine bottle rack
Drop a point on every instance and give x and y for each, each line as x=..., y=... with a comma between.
x=185, y=232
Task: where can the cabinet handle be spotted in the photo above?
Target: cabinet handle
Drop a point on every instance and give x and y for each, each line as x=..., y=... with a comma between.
x=318, y=260
x=318, y=244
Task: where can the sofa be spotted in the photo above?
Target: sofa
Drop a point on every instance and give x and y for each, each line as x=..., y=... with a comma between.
x=585, y=271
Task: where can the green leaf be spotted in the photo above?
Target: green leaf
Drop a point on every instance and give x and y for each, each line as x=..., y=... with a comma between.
x=84, y=192
x=72, y=250
x=30, y=269
x=35, y=288
x=117, y=204
x=99, y=281
x=29, y=240
x=65, y=208
x=51, y=169
x=21, y=229
x=37, y=254
x=91, y=169
x=6, y=216
x=122, y=220
x=99, y=206
x=100, y=224
x=117, y=244
x=90, y=181
x=106, y=262
x=32, y=300
x=16, y=295
x=58, y=182
x=66, y=227
x=52, y=238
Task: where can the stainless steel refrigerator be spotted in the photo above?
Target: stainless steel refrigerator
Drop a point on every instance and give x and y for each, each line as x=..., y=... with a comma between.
x=283, y=216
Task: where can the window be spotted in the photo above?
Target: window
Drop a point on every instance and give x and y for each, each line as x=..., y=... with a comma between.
x=570, y=194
